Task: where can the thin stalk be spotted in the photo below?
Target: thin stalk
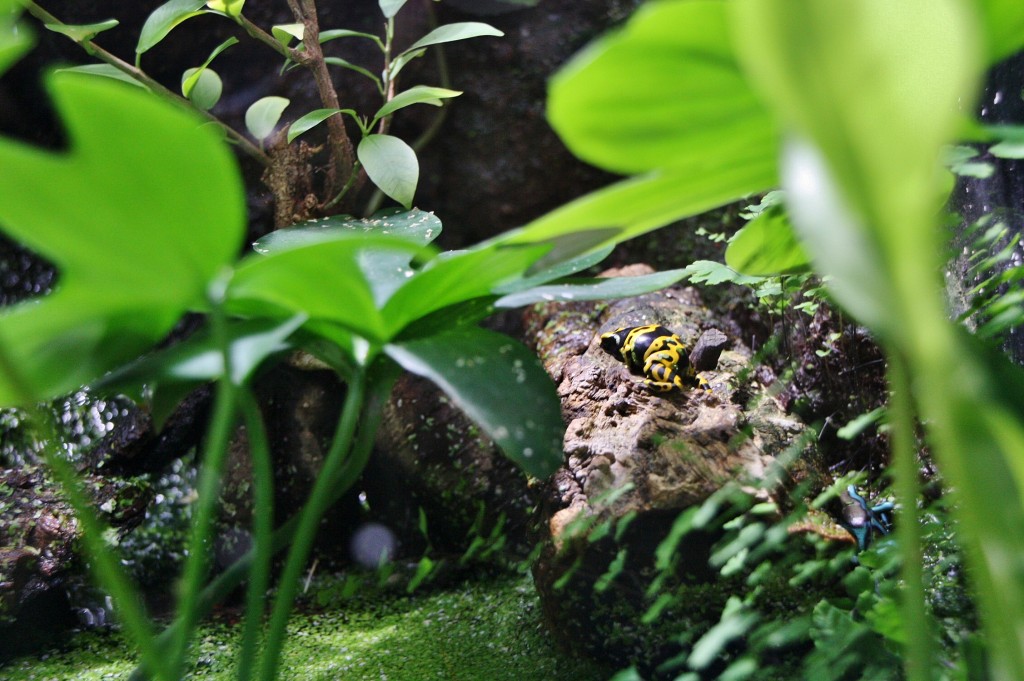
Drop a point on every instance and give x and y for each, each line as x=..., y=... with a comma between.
x=226, y=582
x=263, y=533
x=904, y=453
x=154, y=86
x=208, y=488
x=320, y=498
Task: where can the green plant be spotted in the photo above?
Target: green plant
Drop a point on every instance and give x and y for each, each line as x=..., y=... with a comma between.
x=388, y=161
x=142, y=215
x=848, y=105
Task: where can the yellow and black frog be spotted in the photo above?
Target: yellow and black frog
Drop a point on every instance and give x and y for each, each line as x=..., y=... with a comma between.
x=654, y=352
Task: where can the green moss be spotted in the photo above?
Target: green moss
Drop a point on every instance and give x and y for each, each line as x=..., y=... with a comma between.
x=479, y=630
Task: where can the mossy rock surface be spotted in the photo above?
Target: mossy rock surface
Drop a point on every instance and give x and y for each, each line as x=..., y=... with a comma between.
x=479, y=630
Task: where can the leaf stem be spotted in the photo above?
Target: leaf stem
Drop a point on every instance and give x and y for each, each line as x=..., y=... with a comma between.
x=309, y=519
x=207, y=488
x=904, y=453
x=263, y=532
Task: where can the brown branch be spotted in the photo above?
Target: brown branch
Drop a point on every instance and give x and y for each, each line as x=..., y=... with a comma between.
x=343, y=157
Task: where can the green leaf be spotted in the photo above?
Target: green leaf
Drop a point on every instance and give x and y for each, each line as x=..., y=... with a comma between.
x=452, y=32
x=284, y=33
x=641, y=204
x=391, y=164
x=134, y=163
x=82, y=32
x=572, y=265
x=262, y=116
x=14, y=39
x=415, y=225
x=335, y=33
x=212, y=86
x=401, y=60
x=345, y=64
x=713, y=273
x=500, y=385
x=104, y=70
x=163, y=19
x=385, y=271
x=664, y=92
x=1004, y=27
x=456, y=277
x=323, y=281
x=418, y=94
x=391, y=7
x=767, y=246
x=204, y=87
x=310, y=121
x=597, y=289
x=232, y=8
x=199, y=359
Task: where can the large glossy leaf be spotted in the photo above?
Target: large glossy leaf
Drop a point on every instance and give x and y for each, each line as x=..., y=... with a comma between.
x=875, y=88
x=392, y=165
x=199, y=358
x=386, y=271
x=138, y=215
x=323, y=281
x=455, y=277
x=500, y=384
x=641, y=204
x=596, y=289
x=664, y=92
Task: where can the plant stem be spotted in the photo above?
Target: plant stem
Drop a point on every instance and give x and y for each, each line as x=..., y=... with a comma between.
x=154, y=86
x=343, y=155
x=904, y=453
x=263, y=532
x=309, y=519
x=208, y=487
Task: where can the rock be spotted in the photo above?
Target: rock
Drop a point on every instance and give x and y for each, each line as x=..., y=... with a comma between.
x=39, y=555
x=431, y=458
x=636, y=460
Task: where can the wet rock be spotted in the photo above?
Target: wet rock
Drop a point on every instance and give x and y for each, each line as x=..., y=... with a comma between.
x=300, y=407
x=636, y=460
x=39, y=549
x=432, y=461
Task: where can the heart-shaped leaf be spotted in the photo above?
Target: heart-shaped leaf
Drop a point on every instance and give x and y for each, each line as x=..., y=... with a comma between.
x=140, y=214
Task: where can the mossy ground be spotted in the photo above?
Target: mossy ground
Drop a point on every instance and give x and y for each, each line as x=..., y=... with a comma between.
x=484, y=629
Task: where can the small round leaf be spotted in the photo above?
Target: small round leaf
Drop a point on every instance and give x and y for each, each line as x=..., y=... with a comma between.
x=263, y=115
